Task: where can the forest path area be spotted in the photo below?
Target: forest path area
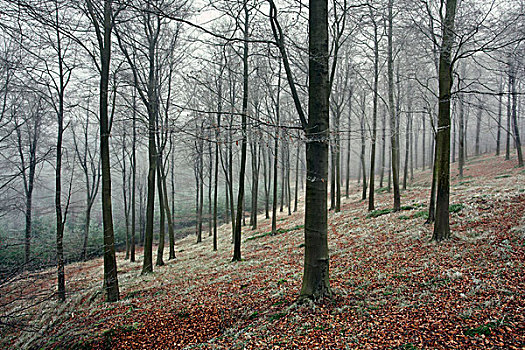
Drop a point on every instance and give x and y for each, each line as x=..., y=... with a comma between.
x=393, y=288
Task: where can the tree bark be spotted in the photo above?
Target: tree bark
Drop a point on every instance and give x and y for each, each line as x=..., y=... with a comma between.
x=441, y=226
x=316, y=284
x=515, y=129
x=393, y=136
x=240, y=198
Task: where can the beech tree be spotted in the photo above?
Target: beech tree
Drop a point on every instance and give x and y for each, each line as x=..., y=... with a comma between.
x=442, y=166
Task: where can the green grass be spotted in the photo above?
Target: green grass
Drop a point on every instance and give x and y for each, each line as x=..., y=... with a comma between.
x=382, y=190
x=463, y=183
x=456, y=208
x=403, y=217
x=421, y=214
x=380, y=212
x=504, y=176
x=279, y=230
x=485, y=329
x=276, y=316
x=377, y=213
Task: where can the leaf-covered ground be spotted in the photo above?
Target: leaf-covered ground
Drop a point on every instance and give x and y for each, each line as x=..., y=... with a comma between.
x=393, y=287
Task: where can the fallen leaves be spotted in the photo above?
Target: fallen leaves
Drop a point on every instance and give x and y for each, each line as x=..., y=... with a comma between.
x=394, y=288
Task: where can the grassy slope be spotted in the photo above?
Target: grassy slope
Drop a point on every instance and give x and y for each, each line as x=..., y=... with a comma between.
x=394, y=288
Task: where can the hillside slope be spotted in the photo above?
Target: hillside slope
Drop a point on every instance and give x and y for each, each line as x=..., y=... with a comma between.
x=394, y=288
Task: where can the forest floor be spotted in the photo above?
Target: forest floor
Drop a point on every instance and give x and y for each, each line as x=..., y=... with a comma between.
x=393, y=287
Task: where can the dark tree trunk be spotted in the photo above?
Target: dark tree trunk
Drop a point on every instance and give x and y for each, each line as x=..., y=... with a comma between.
x=407, y=142
x=383, y=149
x=393, y=128
x=217, y=151
x=104, y=39
x=296, y=192
x=349, y=143
x=162, y=223
x=363, y=148
x=461, y=137
x=316, y=284
x=331, y=167
x=134, y=179
x=515, y=128
x=374, y=120
x=276, y=153
x=478, y=129
x=240, y=198
x=441, y=226
x=424, y=142
x=498, y=137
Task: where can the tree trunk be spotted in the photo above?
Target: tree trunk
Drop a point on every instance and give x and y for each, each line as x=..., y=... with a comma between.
x=162, y=224
x=363, y=148
x=393, y=136
x=316, y=284
x=478, y=128
x=515, y=129
x=407, y=141
x=374, y=121
x=441, y=226
x=296, y=192
x=383, y=149
x=217, y=151
x=240, y=198
x=276, y=153
x=498, y=137
x=134, y=178
x=349, y=143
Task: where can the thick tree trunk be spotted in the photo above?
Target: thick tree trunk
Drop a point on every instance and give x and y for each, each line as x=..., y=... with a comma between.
x=441, y=226
x=316, y=284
